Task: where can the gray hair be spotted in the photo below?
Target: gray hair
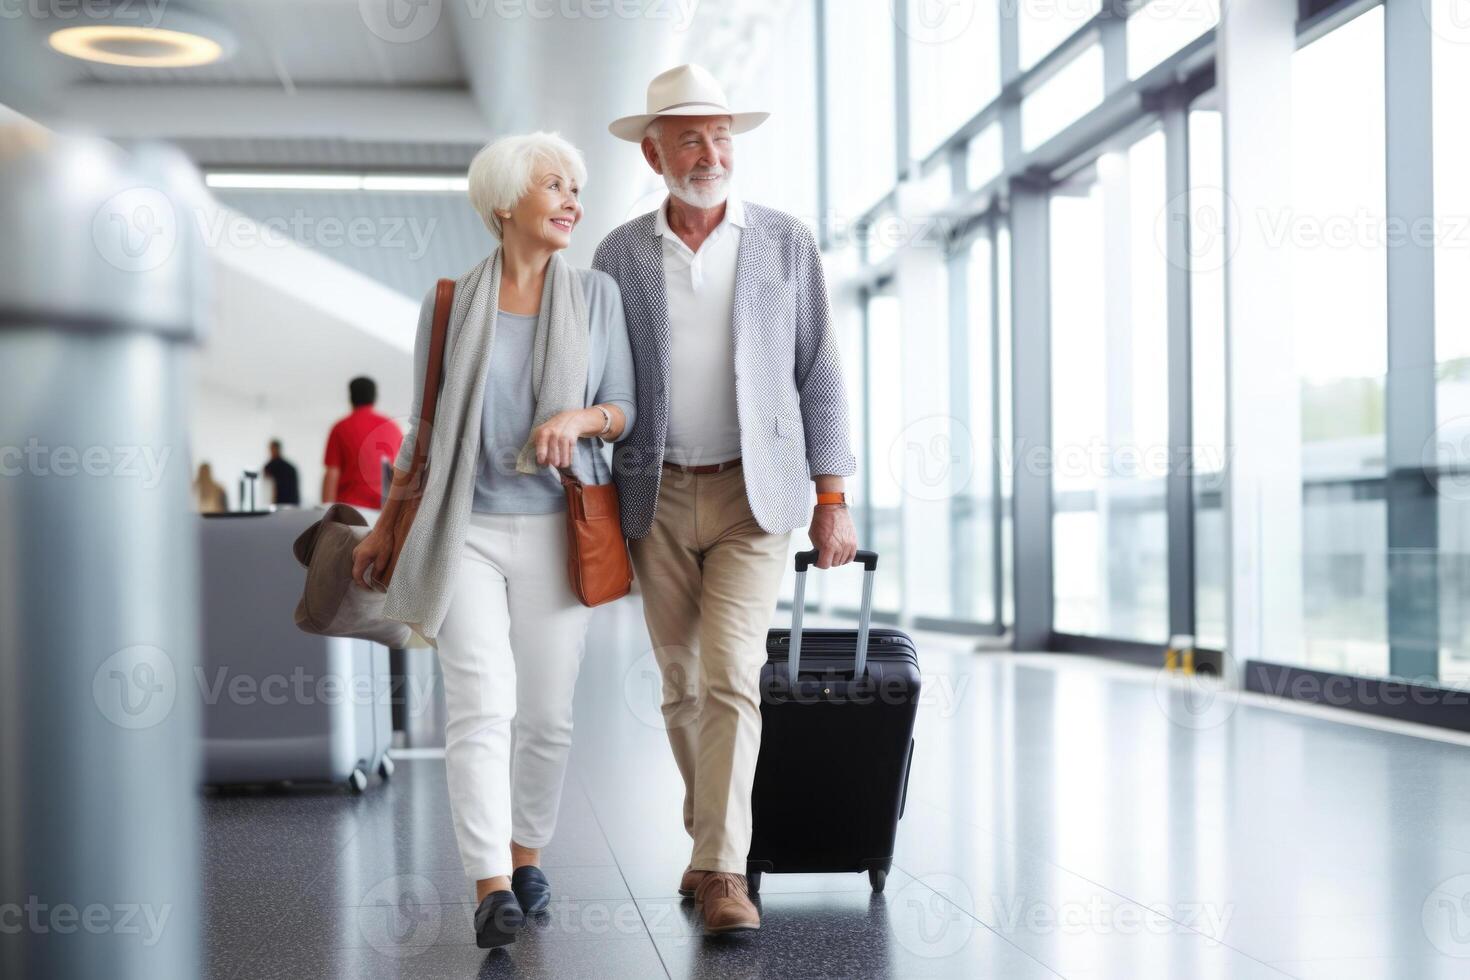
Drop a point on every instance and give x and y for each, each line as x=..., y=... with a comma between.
x=502, y=172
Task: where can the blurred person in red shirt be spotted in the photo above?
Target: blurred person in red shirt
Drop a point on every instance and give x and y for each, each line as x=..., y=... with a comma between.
x=356, y=449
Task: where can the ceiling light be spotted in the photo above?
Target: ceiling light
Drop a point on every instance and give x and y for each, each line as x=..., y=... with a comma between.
x=136, y=47
x=166, y=38
x=335, y=182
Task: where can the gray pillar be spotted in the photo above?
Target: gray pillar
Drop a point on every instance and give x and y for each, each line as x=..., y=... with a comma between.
x=99, y=742
x=1031, y=413
x=1179, y=488
x=1409, y=389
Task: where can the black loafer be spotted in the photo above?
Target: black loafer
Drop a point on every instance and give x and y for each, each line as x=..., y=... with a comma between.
x=498, y=919
x=531, y=889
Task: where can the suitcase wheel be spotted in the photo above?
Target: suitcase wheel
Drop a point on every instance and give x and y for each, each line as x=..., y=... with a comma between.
x=753, y=880
x=357, y=782
x=878, y=878
x=386, y=767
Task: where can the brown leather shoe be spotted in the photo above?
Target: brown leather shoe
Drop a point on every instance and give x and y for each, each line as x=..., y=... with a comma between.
x=690, y=882
x=725, y=904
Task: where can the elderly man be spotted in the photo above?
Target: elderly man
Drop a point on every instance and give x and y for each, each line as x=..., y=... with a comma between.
x=740, y=408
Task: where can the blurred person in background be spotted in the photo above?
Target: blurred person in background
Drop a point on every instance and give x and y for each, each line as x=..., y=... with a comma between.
x=285, y=488
x=209, y=496
x=356, y=449
x=537, y=375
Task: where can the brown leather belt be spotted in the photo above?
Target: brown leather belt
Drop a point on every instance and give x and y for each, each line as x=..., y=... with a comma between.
x=729, y=464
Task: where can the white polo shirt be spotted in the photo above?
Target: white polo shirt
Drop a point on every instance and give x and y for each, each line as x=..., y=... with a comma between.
x=704, y=425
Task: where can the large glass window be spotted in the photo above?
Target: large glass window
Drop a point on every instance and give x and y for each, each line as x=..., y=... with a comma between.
x=954, y=67
x=1110, y=397
x=862, y=155
x=1063, y=98
x=1451, y=450
x=973, y=516
x=1162, y=27
x=1332, y=238
x=1044, y=24
x=984, y=161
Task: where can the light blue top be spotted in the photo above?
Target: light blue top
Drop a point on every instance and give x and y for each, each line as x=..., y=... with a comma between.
x=510, y=407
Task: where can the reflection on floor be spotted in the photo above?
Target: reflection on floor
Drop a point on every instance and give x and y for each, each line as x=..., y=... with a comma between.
x=1063, y=820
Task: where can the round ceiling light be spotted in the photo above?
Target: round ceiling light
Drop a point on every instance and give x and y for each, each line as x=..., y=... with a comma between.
x=171, y=38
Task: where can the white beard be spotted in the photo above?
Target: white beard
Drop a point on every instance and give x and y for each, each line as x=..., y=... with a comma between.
x=698, y=195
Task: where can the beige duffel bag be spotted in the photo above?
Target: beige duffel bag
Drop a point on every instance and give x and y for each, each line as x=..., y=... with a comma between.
x=332, y=604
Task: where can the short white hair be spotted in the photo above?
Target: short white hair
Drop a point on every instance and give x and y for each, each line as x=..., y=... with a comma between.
x=504, y=169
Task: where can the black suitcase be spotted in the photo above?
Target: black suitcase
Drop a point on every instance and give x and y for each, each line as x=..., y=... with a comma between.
x=837, y=712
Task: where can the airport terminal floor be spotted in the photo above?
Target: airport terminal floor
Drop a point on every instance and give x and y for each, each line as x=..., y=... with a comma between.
x=1065, y=818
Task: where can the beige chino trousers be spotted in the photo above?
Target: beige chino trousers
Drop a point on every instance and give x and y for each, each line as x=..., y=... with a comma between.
x=710, y=578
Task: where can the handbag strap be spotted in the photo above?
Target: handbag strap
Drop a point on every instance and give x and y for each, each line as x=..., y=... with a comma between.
x=443, y=302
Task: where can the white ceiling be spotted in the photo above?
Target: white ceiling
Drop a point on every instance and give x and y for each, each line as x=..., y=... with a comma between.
x=295, y=43
x=323, y=84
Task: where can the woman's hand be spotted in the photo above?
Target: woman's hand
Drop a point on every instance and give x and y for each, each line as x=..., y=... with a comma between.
x=556, y=438
x=372, y=552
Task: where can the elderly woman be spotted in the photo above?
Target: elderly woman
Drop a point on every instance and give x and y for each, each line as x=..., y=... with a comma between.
x=537, y=374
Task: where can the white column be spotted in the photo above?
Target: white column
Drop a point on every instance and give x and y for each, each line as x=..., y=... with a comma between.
x=924, y=456
x=1263, y=428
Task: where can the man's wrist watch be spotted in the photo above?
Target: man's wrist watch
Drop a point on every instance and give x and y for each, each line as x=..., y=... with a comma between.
x=832, y=497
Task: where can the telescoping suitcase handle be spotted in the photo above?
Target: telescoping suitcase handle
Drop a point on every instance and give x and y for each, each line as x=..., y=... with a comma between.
x=804, y=560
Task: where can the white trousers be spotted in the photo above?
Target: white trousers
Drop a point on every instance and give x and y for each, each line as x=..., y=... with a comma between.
x=510, y=647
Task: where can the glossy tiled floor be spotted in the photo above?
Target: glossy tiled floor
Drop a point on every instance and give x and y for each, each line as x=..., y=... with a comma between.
x=1063, y=820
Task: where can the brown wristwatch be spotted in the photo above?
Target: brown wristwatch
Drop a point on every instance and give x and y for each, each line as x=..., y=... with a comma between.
x=832, y=497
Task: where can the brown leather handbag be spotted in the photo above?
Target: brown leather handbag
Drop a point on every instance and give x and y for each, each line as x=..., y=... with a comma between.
x=597, y=553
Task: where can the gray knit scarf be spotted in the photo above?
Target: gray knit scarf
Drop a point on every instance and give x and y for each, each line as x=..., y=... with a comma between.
x=423, y=579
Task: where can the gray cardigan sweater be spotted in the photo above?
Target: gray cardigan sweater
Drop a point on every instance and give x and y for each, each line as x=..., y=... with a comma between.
x=435, y=541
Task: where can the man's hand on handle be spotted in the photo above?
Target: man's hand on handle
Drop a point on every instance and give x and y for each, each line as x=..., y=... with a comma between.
x=833, y=535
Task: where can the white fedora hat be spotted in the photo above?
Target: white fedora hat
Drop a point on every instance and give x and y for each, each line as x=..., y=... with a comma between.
x=688, y=90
